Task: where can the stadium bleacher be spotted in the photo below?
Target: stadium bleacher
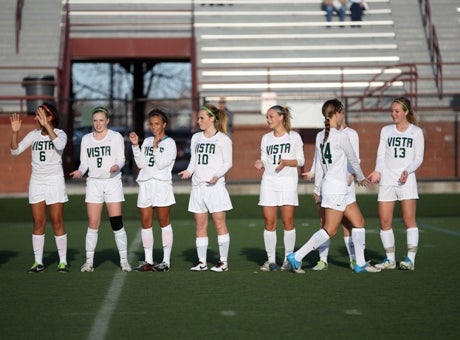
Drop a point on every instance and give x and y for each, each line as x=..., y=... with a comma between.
x=270, y=45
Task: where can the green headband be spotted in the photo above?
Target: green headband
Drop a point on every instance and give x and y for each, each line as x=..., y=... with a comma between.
x=101, y=109
x=400, y=102
x=209, y=112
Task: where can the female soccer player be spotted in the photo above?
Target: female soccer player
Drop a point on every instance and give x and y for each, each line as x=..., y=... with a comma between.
x=103, y=156
x=351, y=197
x=155, y=159
x=281, y=155
x=47, y=185
x=333, y=152
x=211, y=158
x=399, y=155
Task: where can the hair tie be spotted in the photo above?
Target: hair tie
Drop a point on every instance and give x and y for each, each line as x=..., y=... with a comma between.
x=209, y=112
x=400, y=102
x=46, y=109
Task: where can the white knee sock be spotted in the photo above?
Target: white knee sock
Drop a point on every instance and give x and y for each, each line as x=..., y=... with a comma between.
x=270, y=245
x=289, y=241
x=147, y=243
x=122, y=243
x=388, y=241
x=359, y=240
x=324, y=250
x=61, y=245
x=224, y=245
x=202, y=248
x=412, y=243
x=167, y=239
x=316, y=240
x=38, y=243
x=91, y=242
x=350, y=247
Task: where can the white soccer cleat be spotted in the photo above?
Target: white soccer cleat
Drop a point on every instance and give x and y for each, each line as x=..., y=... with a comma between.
x=87, y=267
x=299, y=271
x=367, y=268
x=200, y=267
x=125, y=266
x=161, y=267
x=286, y=266
x=407, y=264
x=321, y=265
x=268, y=267
x=220, y=267
x=386, y=264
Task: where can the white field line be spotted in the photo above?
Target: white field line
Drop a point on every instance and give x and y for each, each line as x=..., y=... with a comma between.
x=440, y=230
x=102, y=320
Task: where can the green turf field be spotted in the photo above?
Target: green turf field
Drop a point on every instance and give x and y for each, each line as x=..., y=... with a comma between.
x=242, y=303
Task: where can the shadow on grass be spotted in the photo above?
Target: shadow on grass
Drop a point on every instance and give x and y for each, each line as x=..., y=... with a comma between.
x=190, y=255
x=259, y=256
x=343, y=260
x=6, y=255
x=100, y=257
x=51, y=257
x=139, y=255
x=256, y=255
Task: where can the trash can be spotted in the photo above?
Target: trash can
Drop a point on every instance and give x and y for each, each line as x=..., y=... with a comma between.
x=38, y=85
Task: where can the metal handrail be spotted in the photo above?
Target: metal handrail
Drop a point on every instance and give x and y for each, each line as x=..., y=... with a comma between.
x=64, y=59
x=19, y=5
x=433, y=45
x=409, y=77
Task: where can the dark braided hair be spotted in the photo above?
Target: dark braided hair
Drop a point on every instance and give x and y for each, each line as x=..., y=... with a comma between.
x=330, y=108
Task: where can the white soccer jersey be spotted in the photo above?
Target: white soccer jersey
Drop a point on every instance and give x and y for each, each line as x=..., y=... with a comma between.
x=272, y=149
x=46, y=154
x=354, y=140
x=98, y=156
x=210, y=157
x=399, y=151
x=331, y=161
x=155, y=163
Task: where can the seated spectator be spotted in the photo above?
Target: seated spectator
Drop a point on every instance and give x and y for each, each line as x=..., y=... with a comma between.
x=357, y=7
x=331, y=6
